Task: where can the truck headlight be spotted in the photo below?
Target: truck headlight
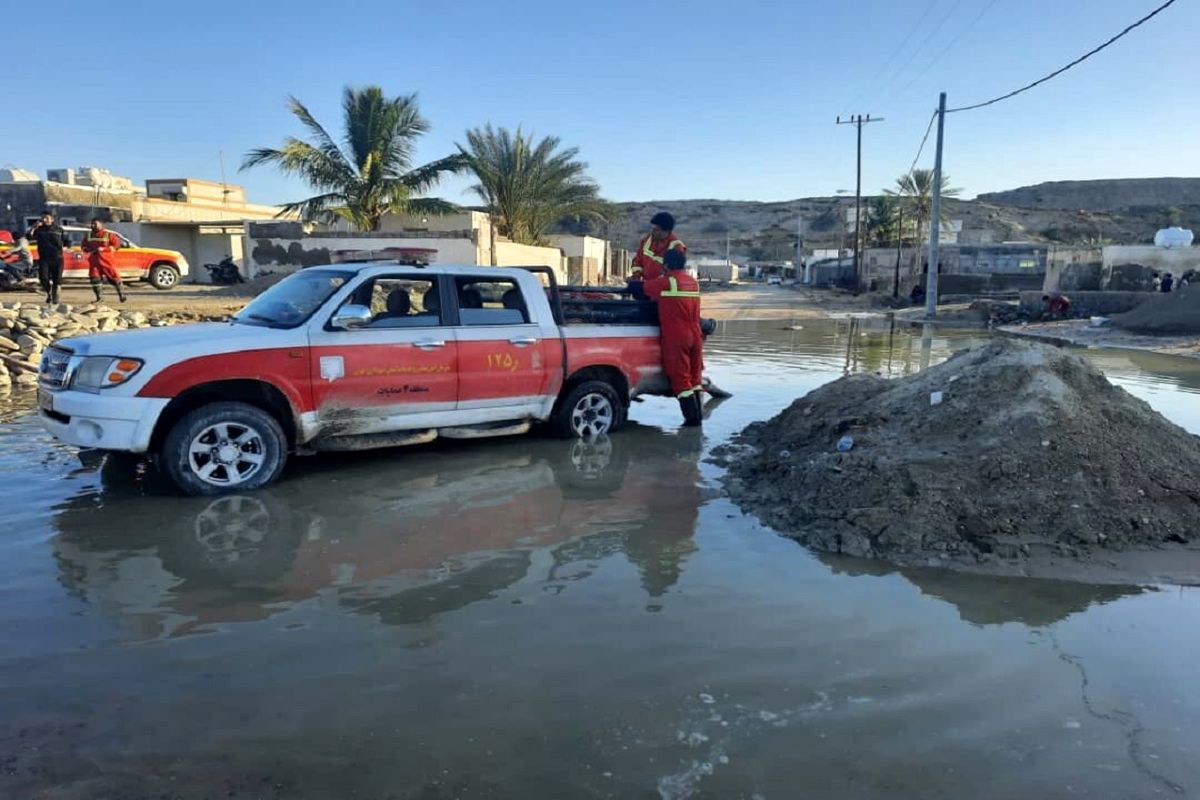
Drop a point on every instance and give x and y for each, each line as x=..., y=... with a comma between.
x=94, y=373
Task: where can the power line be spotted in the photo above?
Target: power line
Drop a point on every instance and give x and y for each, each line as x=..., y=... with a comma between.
x=941, y=54
x=1076, y=62
x=917, y=50
x=924, y=139
x=883, y=70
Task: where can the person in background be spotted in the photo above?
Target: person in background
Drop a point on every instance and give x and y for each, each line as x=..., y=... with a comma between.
x=1156, y=282
x=51, y=241
x=678, y=297
x=648, y=261
x=1168, y=282
x=1056, y=306
x=101, y=245
x=19, y=258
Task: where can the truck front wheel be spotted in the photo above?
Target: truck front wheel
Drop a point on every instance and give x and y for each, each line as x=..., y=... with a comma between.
x=588, y=409
x=224, y=447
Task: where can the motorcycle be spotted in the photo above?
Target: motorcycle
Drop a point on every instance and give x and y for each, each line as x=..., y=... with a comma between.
x=225, y=272
x=14, y=275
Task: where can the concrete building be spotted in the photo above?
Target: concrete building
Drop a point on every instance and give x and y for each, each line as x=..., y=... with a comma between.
x=201, y=219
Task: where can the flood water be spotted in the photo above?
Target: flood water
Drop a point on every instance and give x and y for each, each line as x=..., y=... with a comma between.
x=542, y=619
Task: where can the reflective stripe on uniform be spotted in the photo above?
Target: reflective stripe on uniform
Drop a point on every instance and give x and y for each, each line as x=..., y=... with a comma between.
x=686, y=393
x=646, y=251
x=675, y=291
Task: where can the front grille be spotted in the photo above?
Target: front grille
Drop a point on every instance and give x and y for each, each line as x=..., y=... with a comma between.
x=54, y=372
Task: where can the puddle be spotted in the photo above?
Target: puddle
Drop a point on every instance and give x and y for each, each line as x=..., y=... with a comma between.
x=536, y=618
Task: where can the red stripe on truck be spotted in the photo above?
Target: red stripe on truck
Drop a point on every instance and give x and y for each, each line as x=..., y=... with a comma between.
x=285, y=368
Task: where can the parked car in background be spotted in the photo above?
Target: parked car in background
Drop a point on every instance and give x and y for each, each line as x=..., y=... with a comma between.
x=161, y=268
x=774, y=280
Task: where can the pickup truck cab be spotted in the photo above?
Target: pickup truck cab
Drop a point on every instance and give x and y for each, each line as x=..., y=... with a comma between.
x=350, y=357
x=162, y=269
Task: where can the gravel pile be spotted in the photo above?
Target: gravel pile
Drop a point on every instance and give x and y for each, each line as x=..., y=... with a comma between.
x=1025, y=449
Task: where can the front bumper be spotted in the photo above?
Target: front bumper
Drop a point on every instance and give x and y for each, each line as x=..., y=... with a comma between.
x=108, y=423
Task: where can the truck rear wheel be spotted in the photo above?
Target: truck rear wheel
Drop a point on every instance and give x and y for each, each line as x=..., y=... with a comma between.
x=163, y=276
x=224, y=447
x=588, y=409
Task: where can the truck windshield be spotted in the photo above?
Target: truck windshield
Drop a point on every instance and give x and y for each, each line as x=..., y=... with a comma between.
x=294, y=299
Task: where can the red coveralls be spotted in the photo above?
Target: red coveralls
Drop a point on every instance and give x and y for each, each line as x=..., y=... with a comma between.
x=678, y=296
x=100, y=249
x=649, y=258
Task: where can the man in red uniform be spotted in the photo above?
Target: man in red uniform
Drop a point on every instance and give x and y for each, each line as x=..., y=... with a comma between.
x=648, y=261
x=101, y=245
x=678, y=296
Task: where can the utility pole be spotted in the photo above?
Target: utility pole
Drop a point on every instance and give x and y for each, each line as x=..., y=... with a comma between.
x=899, y=248
x=935, y=214
x=858, y=120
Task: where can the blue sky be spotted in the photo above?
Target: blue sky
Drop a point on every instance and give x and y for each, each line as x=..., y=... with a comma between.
x=700, y=99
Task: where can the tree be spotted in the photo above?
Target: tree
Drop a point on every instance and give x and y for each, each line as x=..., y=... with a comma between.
x=370, y=173
x=882, y=221
x=915, y=192
x=528, y=186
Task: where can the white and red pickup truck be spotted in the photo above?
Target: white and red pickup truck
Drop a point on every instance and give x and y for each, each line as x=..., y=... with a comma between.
x=349, y=357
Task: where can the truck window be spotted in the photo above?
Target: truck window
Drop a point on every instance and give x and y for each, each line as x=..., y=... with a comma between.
x=400, y=301
x=294, y=299
x=488, y=301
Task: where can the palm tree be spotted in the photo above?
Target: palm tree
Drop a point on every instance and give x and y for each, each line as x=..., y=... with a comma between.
x=370, y=173
x=528, y=186
x=915, y=191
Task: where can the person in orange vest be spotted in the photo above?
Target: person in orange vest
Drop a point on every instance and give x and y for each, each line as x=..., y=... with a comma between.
x=678, y=297
x=648, y=261
x=100, y=245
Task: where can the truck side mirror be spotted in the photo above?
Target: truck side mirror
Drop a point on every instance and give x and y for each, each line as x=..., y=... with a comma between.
x=351, y=316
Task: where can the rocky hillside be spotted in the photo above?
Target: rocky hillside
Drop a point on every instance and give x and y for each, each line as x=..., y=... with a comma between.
x=1106, y=195
x=769, y=230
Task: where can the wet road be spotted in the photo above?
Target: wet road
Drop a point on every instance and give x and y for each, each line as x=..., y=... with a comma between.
x=533, y=618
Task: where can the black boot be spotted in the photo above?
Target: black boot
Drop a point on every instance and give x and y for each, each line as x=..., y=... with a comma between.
x=96, y=290
x=698, y=402
x=120, y=291
x=685, y=405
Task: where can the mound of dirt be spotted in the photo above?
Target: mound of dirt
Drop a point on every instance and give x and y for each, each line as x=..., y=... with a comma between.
x=1029, y=449
x=1175, y=312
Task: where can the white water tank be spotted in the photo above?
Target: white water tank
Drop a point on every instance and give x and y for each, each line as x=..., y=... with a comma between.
x=1173, y=237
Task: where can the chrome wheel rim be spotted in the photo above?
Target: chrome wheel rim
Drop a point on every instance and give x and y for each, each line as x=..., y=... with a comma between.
x=164, y=277
x=227, y=454
x=592, y=416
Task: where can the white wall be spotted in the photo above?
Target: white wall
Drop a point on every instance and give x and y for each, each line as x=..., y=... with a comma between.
x=321, y=249
x=1175, y=260
x=510, y=254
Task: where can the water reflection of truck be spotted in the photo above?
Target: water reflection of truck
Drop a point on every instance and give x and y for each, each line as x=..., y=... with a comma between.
x=409, y=542
x=350, y=357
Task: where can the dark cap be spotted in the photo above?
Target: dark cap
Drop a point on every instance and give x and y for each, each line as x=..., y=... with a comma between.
x=675, y=259
x=663, y=220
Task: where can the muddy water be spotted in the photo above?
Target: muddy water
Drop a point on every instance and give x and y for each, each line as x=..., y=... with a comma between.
x=534, y=618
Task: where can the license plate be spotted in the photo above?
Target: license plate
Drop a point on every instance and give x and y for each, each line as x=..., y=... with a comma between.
x=45, y=400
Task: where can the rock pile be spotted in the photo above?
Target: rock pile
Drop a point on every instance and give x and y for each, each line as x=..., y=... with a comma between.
x=26, y=329
x=1005, y=450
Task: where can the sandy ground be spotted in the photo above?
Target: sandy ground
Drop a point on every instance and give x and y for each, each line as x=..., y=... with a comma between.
x=1081, y=332
x=757, y=301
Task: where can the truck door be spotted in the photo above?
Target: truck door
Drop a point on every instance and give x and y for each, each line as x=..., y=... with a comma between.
x=398, y=372
x=75, y=262
x=131, y=260
x=507, y=360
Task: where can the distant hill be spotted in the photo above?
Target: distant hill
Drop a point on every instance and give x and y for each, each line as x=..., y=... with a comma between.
x=1068, y=212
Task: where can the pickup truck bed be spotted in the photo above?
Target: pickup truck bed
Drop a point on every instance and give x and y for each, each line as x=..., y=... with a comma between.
x=351, y=356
